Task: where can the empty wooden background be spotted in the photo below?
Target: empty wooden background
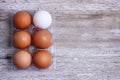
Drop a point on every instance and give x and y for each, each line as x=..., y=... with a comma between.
x=87, y=40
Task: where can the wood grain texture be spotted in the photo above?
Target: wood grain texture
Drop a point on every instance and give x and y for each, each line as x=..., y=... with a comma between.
x=87, y=40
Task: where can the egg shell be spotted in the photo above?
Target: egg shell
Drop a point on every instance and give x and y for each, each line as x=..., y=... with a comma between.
x=42, y=39
x=42, y=59
x=22, y=20
x=42, y=19
x=22, y=59
x=21, y=39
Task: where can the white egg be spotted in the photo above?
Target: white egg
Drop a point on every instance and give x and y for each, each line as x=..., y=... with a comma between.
x=42, y=19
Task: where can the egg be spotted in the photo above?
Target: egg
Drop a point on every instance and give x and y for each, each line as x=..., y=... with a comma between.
x=42, y=39
x=42, y=19
x=42, y=59
x=22, y=59
x=22, y=20
x=21, y=39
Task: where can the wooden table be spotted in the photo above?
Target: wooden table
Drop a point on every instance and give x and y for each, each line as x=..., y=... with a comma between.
x=87, y=40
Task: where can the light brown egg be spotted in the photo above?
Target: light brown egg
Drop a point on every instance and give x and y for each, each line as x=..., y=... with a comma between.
x=42, y=59
x=21, y=39
x=22, y=59
x=22, y=20
x=42, y=39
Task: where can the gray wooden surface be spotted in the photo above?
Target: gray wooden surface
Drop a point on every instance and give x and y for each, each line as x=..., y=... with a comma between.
x=87, y=40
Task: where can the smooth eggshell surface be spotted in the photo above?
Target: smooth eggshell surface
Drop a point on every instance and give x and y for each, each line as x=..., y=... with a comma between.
x=42, y=39
x=42, y=59
x=21, y=39
x=42, y=19
x=22, y=59
x=22, y=20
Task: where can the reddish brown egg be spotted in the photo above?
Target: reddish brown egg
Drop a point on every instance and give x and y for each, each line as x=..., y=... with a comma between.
x=42, y=59
x=22, y=59
x=22, y=20
x=42, y=39
x=21, y=39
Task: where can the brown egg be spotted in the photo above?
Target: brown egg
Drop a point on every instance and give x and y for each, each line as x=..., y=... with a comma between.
x=21, y=39
x=22, y=59
x=42, y=39
x=22, y=20
x=42, y=59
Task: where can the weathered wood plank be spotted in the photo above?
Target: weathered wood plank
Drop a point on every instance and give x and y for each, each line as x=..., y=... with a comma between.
x=89, y=31
x=83, y=6
x=62, y=1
